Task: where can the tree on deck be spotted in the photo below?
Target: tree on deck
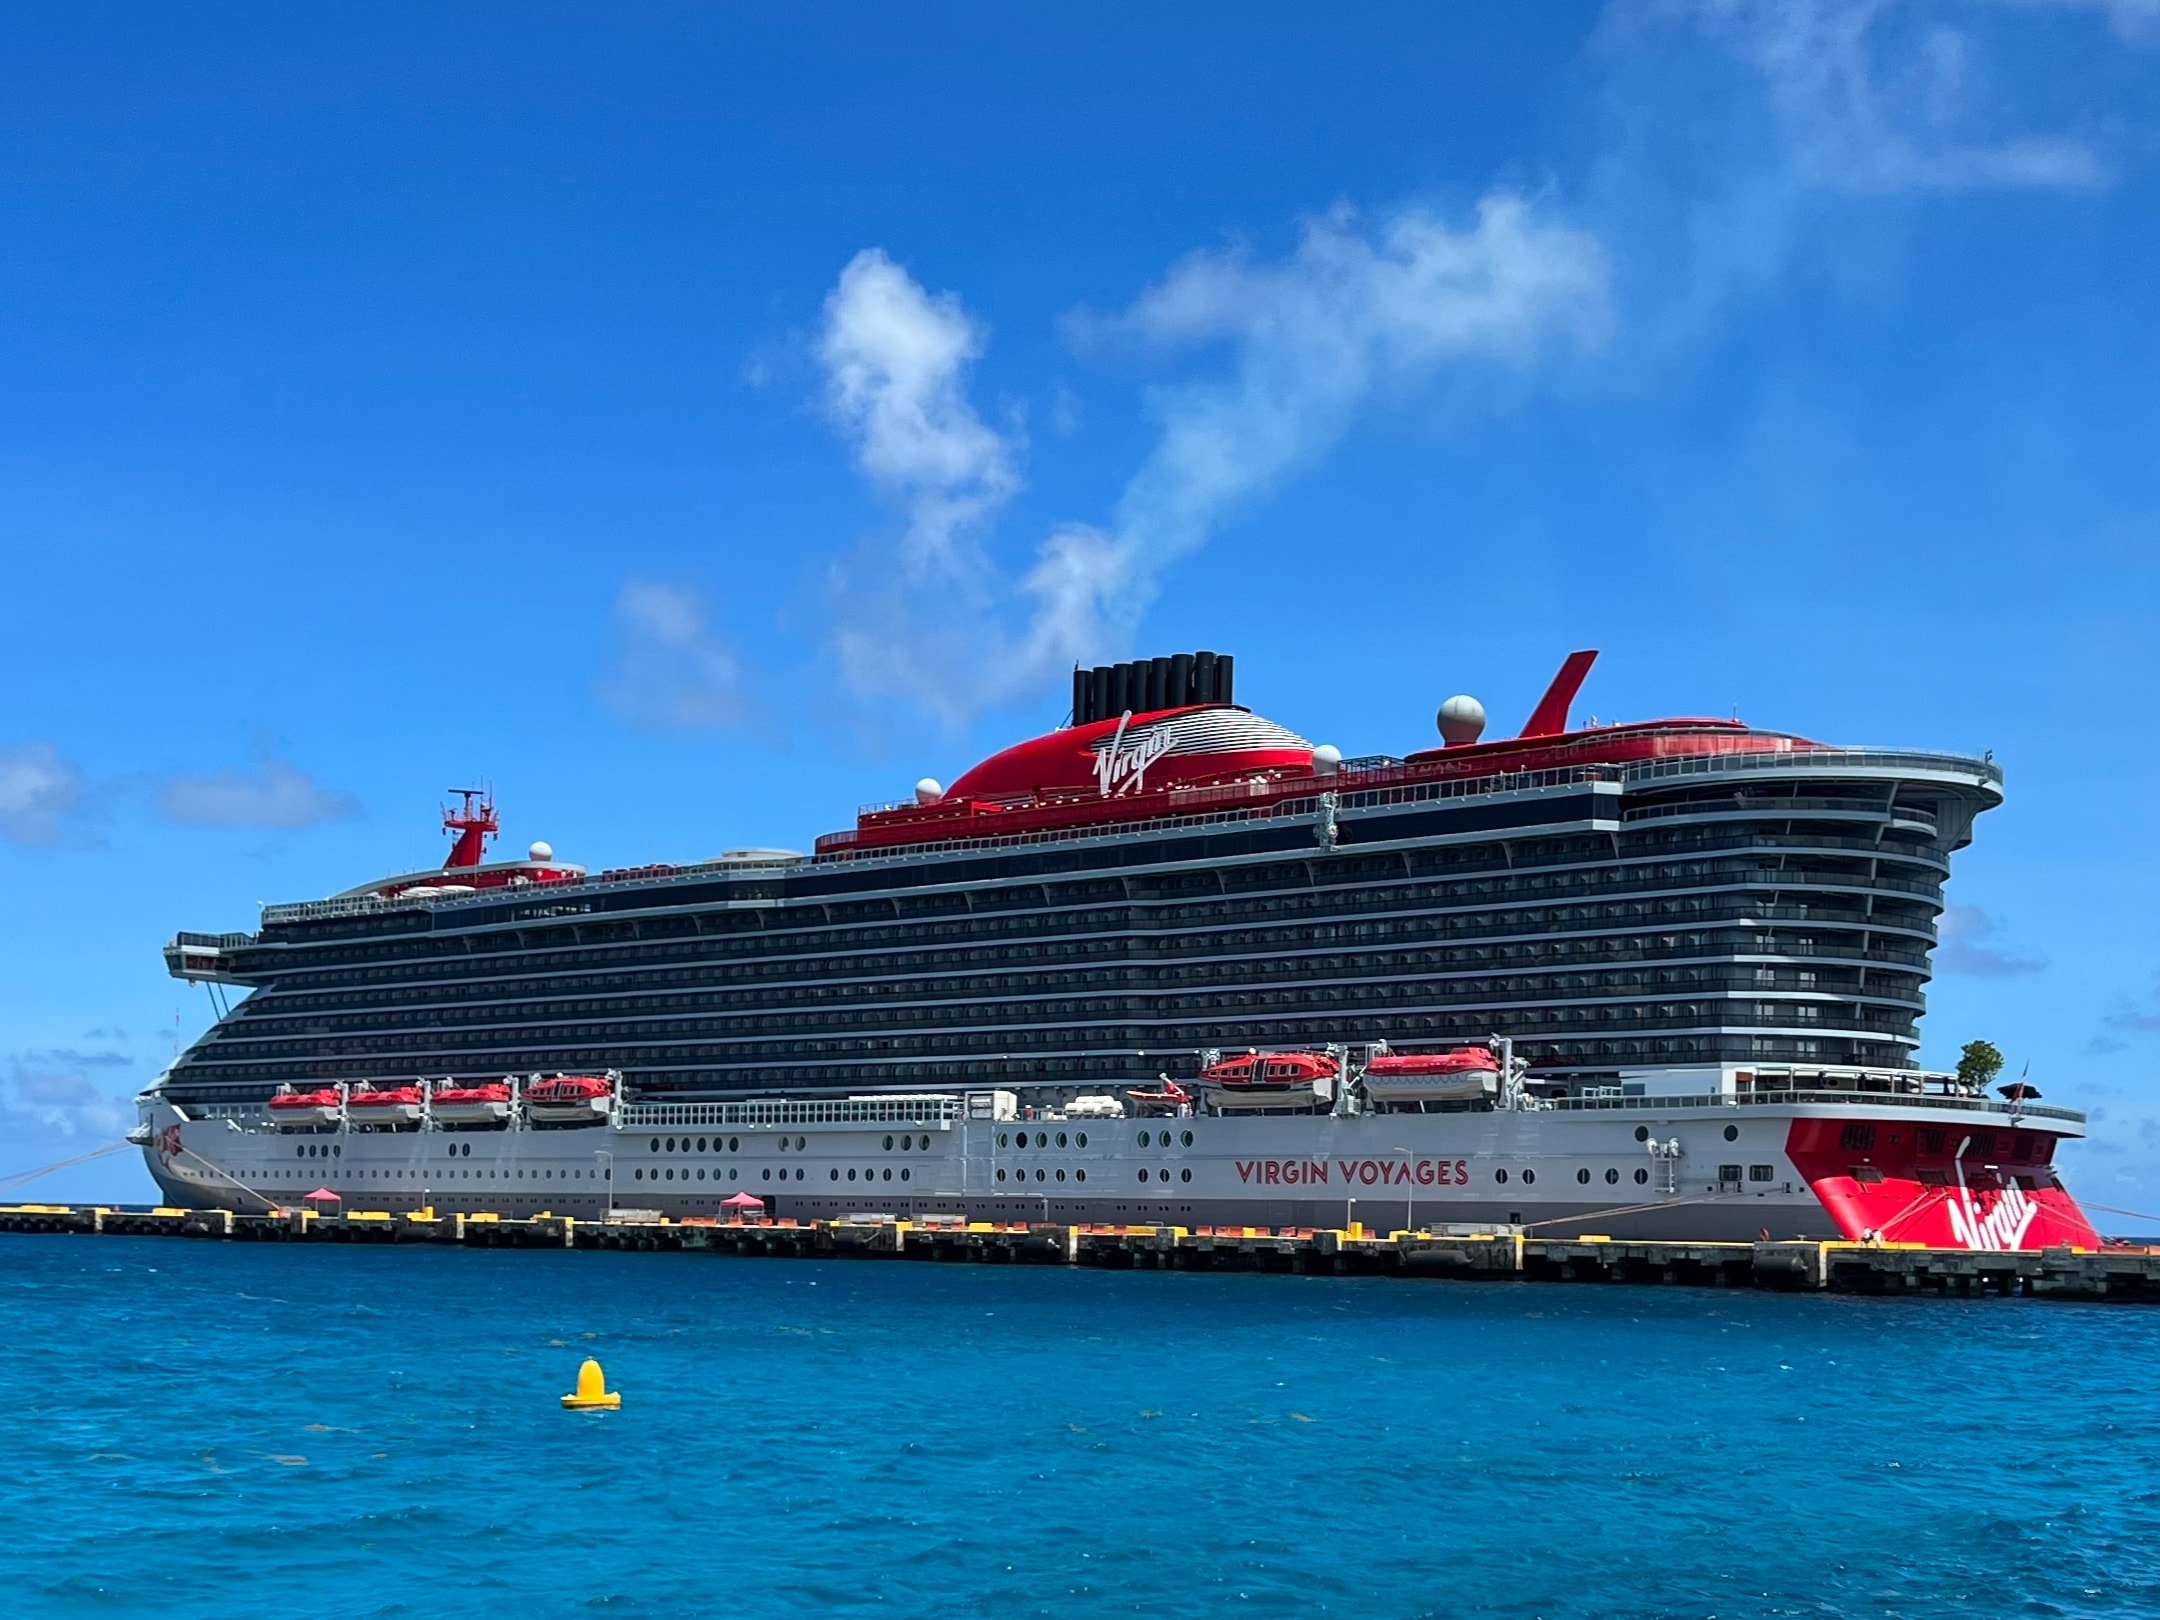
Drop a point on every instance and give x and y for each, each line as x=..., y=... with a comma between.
x=1979, y=1064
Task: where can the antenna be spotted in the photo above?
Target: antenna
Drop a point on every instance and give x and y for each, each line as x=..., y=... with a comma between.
x=474, y=823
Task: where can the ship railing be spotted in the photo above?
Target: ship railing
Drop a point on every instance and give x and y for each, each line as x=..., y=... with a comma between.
x=1827, y=1096
x=1406, y=784
x=1874, y=761
x=926, y=1109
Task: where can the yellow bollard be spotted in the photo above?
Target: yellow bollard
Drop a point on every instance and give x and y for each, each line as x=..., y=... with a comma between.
x=592, y=1393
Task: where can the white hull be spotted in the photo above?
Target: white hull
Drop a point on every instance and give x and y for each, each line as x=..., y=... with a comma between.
x=1687, y=1168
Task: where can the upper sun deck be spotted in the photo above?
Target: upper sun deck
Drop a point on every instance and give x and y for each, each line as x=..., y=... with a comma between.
x=1118, y=769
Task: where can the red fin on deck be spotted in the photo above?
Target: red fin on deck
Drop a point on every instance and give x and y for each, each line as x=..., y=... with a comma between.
x=1549, y=718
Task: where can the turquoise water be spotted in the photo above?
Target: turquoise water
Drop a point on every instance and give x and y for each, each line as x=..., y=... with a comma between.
x=238, y=1431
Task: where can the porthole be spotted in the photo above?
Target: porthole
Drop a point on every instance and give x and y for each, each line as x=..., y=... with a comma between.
x=1184, y=1175
x=1528, y=1177
x=733, y=1143
x=801, y=1142
x=1001, y=1139
x=638, y=1175
x=1079, y=1175
x=671, y=1175
x=768, y=1175
x=336, y=1151
x=1143, y=1138
x=851, y=1175
x=1583, y=1176
x=656, y=1144
x=1039, y=1176
x=1001, y=1175
x=731, y=1175
x=1612, y=1178
x=926, y=1140
x=888, y=1175
x=1500, y=1176
x=888, y=1144
x=903, y=1173
x=1642, y=1133
x=1143, y=1175
x=1732, y=1133
x=1061, y=1175
x=671, y=1144
x=300, y=1152
x=800, y=1174
x=1186, y=1138
x=1061, y=1138
x=836, y=1175
x=701, y=1144
x=1641, y=1177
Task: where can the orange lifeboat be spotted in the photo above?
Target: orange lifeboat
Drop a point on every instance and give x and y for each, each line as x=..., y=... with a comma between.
x=1466, y=1074
x=471, y=1105
x=569, y=1099
x=385, y=1108
x=305, y=1110
x=1255, y=1080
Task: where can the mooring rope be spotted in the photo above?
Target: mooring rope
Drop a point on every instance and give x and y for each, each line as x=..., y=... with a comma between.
x=21, y=1176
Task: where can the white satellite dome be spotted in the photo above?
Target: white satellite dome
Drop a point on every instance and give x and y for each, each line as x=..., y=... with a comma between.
x=1326, y=760
x=1462, y=720
x=541, y=850
x=929, y=790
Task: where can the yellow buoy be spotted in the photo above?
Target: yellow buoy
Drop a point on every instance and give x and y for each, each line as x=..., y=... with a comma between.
x=592, y=1393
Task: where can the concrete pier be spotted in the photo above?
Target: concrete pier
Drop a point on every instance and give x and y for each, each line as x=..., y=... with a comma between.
x=2116, y=1273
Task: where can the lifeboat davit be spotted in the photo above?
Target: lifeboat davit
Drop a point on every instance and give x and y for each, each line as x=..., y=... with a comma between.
x=304, y=1110
x=387, y=1108
x=471, y=1105
x=1467, y=1074
x=569, y=1099
x=1270, y=1080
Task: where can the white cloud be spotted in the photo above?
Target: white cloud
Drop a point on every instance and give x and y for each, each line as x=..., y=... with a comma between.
x=1972, y=945
x=274, y=794
x=1870, y=96
x=895, y=361
x=41, y=792
x=46, y=1090
x=1359, y=310
x=672, y=671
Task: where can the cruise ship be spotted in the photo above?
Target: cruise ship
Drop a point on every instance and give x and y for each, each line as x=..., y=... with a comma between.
x=1170, y=961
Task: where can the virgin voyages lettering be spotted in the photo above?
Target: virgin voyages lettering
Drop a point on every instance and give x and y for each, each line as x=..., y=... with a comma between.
x=1354, y=1172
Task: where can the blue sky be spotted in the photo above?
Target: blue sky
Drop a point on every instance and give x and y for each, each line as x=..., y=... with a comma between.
x=700, y=422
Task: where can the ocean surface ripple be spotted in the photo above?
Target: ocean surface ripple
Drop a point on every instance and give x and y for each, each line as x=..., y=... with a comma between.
x=232, y=1431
